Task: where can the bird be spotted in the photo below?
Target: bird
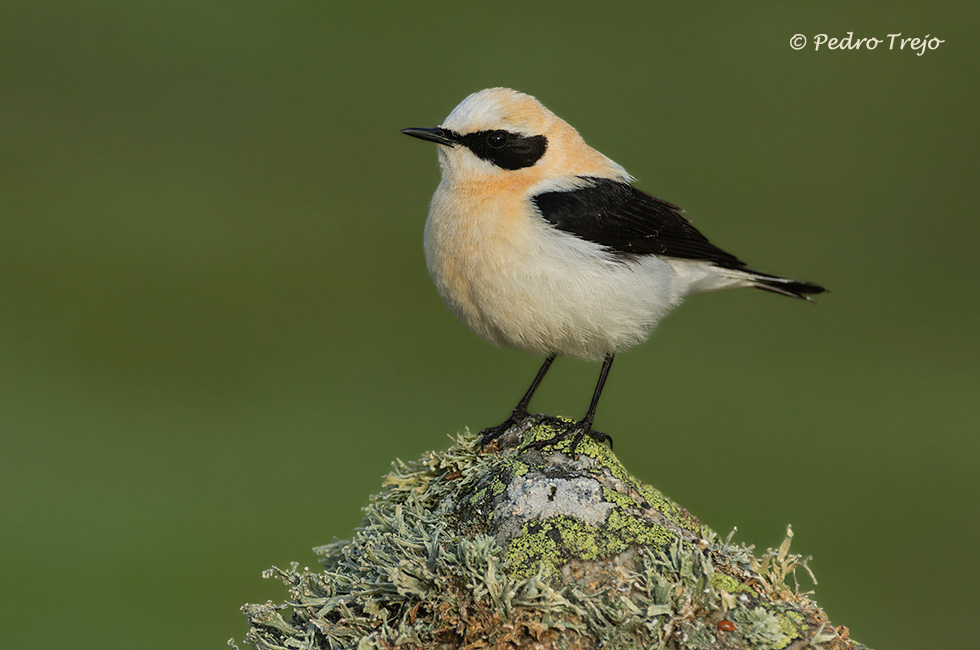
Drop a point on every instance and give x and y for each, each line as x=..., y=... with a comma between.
x=539, y=242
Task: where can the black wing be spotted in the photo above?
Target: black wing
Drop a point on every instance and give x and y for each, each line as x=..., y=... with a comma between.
x=620, y=217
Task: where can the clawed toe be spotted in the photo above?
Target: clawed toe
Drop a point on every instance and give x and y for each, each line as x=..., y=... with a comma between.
x=541, y=444
x=576, y=431
x=490, y=434
x=600, y=437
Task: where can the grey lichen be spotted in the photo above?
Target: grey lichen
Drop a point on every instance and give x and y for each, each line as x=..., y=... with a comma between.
x=512, y=549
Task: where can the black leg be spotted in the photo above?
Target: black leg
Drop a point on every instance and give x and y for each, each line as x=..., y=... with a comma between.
x=590, y=416
x=520, y=411
x=523, y=404
x=583, y=427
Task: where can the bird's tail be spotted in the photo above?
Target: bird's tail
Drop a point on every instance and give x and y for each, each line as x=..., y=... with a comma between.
x=785, y=286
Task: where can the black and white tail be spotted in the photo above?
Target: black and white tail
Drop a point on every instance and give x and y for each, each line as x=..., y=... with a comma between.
x=785, y=286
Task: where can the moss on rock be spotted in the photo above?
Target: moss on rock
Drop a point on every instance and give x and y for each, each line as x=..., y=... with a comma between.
x=512, y=548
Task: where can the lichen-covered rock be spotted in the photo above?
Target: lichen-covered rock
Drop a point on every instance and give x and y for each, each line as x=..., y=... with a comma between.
x=537, y=549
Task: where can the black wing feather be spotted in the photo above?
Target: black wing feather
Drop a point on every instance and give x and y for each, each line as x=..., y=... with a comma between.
x=627, y=221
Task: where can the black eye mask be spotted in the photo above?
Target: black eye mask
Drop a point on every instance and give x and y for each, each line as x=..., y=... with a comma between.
x=505, y=149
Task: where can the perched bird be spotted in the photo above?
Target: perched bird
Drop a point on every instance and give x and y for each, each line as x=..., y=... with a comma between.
x=539, y=242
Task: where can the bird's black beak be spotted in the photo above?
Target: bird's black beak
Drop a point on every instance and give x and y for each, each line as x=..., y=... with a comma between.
x=437, y=135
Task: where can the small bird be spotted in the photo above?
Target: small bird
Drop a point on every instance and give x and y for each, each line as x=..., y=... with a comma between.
x=539, y=242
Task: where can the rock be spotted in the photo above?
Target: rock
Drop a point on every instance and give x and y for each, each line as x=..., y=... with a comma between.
x=538, y=549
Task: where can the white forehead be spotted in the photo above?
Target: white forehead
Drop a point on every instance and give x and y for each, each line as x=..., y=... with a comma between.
x=500, y=108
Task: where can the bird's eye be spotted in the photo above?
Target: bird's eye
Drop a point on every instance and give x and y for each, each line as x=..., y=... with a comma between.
x=497, y=139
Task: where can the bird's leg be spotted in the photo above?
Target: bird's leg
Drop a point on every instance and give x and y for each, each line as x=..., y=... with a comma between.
x=583, y=427
x=520, y=411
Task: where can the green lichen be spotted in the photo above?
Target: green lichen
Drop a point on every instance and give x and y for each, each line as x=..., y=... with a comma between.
x=791, y=625
x=762, y=628
x=672, y=511
x=547, y=545
x=621, y=500
x=631, y=530
x=726, y=583
x=543, y=547
x=550, y=427
x=497, y=487
x=477, y=497
x=517, y=468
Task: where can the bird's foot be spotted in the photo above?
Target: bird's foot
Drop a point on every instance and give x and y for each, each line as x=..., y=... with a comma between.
x=576, y=432
x=490, y=434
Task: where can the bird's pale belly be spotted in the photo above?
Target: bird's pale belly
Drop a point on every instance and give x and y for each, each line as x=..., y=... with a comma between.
x=556, y=297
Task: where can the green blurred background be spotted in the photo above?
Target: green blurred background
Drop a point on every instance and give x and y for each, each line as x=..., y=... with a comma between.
x=217, y=328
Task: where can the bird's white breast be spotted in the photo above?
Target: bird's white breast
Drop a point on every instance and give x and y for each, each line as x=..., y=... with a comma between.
x=517, y=281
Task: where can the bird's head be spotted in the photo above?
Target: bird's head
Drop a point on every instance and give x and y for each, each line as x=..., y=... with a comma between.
x=500, y=135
